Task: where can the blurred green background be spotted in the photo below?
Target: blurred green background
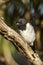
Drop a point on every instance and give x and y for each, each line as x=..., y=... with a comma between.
x=11, y=11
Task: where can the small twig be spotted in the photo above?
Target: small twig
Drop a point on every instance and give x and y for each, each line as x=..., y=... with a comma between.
x=2, y=59
x=3, y=3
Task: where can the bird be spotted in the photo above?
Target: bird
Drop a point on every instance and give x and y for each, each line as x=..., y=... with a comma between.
x=26, y=30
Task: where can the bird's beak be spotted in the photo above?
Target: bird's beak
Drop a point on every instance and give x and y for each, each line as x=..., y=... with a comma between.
x=17, y=24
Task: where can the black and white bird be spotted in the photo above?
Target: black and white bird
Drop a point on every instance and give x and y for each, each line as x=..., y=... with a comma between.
x=26, y=31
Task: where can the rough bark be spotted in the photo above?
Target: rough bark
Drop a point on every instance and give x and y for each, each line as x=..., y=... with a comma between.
x=13, y=36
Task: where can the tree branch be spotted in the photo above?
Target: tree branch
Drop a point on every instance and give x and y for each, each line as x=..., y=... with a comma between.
x=13, y=36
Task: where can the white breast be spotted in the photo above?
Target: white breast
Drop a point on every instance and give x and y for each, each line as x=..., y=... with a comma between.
x=28, y=34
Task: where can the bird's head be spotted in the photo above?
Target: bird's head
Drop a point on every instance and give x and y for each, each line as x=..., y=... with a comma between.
x=21, y=23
